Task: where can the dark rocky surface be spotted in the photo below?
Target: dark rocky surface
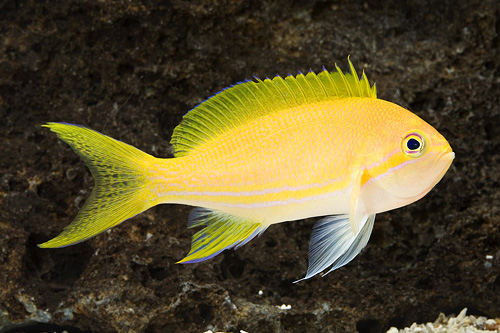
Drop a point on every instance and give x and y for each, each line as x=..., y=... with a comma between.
x=132, y=69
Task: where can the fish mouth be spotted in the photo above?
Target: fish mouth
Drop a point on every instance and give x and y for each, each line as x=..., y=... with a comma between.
x=441, y=165
x=447, y=155
x=444, y=160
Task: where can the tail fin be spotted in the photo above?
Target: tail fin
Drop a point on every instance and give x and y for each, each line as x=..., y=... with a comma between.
x=121, y=188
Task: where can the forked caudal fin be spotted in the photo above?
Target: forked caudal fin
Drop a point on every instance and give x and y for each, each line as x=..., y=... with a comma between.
x=121, y=188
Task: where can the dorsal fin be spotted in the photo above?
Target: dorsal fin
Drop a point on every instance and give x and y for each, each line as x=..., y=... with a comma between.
x=249, y=100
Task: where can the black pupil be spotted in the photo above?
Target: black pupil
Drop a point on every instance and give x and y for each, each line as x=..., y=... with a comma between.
x=413, y=144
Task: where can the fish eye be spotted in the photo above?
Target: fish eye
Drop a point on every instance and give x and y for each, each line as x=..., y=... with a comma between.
x=413, y=144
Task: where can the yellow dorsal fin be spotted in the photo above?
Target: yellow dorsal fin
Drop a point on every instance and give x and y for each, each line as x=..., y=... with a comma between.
x=249, y=100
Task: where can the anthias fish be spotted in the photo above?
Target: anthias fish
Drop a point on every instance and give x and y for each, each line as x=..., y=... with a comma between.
x=265, y=152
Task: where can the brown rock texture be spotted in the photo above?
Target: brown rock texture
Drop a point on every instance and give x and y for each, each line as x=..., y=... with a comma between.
x=131, y=69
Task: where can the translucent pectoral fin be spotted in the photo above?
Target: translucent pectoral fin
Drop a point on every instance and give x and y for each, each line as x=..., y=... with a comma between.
x=222, y=231
x=357, y=208
x=333, y=243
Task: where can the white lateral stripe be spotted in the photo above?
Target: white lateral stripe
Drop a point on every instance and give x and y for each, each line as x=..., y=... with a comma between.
x=376, y=164
x=382, y=175
x=285, y=188
x=271, y=203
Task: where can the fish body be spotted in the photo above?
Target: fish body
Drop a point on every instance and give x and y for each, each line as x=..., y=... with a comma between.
x=290, y=166
x=265, y=152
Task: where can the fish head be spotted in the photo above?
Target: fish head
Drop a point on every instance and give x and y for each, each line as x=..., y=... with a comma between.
x=415, y=159
x=423, y=161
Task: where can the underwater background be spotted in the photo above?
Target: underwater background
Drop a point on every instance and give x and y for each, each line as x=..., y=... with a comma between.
x=132, y=69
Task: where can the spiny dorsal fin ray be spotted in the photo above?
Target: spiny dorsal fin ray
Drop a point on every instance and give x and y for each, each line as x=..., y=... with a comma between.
x=249, y=100
x=222, y=231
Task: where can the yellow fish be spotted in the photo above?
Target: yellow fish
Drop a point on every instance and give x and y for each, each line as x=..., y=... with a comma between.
x=265, y=152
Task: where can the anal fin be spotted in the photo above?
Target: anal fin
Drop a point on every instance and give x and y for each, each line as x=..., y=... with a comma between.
x=333, y=242
x=222, y=231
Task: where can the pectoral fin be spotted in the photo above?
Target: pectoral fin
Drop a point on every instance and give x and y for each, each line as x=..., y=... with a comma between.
x=357, y=208
x=333, y=242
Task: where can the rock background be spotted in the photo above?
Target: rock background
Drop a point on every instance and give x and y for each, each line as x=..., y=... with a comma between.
x=132, y=69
